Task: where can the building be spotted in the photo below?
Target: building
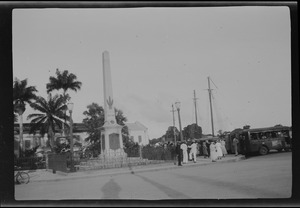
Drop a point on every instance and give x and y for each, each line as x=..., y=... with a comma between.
x=32, y=140
x=138, y=133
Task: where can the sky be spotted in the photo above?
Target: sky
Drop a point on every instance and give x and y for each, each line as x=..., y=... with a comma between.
x=161, y=55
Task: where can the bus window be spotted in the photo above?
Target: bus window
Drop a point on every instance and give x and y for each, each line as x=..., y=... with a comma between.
x=254, y=136
x=274, y=134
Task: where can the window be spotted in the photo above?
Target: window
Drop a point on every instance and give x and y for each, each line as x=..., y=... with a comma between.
x=132, y=138
x=254, y=136
x=140, y=139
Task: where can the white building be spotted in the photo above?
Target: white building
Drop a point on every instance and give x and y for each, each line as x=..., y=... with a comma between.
x=138, y=132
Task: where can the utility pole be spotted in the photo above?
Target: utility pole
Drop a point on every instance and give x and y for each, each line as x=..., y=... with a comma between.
x=195, y=107
x=174, y=123
x=211, y=112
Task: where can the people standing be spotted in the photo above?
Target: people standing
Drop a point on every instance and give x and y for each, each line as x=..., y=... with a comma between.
x=219, y=149
x=213, y=152
x=193, y=151
x=204, y=149
x=178, y=153
x=207, y=147
x=184, y=147
x=235, y=145
x=224, y=151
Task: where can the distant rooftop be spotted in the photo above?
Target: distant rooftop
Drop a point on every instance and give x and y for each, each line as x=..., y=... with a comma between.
x=136, y=126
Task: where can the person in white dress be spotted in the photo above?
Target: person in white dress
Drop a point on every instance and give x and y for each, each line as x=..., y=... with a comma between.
x=184, y=147
x=213, y=152
x=219, y=150
x=224, y=151
x=193, y=151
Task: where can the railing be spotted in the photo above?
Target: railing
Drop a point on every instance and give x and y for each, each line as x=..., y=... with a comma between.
x=30, y=163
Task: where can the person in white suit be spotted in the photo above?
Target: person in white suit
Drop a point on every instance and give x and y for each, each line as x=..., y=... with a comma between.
x=184, y=147
x=193, y=150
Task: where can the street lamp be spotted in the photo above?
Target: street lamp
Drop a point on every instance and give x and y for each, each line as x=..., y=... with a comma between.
x=177, y=104
x=70, y=108
x=63, y=126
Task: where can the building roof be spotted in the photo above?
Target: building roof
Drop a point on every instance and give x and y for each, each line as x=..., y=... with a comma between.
x=136, y=126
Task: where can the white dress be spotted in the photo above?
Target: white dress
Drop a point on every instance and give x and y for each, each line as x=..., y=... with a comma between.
x=223, y=147
x=219, y=149
x=183, y=146
x=213, y=152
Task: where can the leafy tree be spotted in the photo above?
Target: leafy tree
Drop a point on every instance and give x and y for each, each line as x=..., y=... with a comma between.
x=64, y=81
x=170, y=133
x=95, y=119
x=192, y=131
x=154, y=141
x=22, y=94
x=246, y=127
x=50, y=117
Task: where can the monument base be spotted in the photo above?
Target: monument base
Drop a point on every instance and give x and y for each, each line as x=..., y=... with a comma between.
x=113, y=154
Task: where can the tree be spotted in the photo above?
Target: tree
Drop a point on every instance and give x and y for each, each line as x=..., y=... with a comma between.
x=65, y=81
x=22, y=94
x=95, y=119
x=192, y=131
x=170, y=133
x=246, y=127
x=50, y=117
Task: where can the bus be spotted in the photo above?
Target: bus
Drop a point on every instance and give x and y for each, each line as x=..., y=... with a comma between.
x=262, y=140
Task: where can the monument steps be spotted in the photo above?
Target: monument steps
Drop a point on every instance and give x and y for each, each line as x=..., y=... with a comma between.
x=96, y=164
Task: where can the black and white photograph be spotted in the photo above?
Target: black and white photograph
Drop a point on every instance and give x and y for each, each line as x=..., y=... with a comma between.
x=152, y=103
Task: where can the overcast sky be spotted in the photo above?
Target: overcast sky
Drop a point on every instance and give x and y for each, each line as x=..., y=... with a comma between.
x=161, y=55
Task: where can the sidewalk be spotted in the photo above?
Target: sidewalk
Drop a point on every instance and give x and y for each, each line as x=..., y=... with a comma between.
x=44, y=175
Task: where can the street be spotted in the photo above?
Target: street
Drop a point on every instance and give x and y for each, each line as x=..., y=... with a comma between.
x=258, y=177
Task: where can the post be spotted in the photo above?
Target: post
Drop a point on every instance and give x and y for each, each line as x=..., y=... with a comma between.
x=173, y=124
x=177, y=104
x=70, y=107
x=71, y=142
x=195, y=107
x=211, y=112
x=140, y=150
x=181, y=137
x=21, y=135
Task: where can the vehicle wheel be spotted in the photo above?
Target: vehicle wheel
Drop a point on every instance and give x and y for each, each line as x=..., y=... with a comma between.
x=279, y=150
x=263, y=150
x=23, y=178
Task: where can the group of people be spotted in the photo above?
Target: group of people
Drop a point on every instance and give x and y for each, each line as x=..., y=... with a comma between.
x=215, y=150
x=182, y=152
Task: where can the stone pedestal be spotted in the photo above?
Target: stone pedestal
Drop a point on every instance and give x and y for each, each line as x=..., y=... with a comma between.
x=111, y=142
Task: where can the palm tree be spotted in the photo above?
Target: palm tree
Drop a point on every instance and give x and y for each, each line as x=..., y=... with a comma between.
x=50, y=117
x=22, y=94
x=64, y=81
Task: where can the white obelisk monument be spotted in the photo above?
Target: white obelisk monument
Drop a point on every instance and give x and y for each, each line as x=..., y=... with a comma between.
x=111, y=136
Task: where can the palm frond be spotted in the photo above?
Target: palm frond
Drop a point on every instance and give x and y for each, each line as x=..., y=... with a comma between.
x=35, y=115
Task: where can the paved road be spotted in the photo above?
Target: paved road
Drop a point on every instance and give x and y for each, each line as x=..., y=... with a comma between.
x=258, y=177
